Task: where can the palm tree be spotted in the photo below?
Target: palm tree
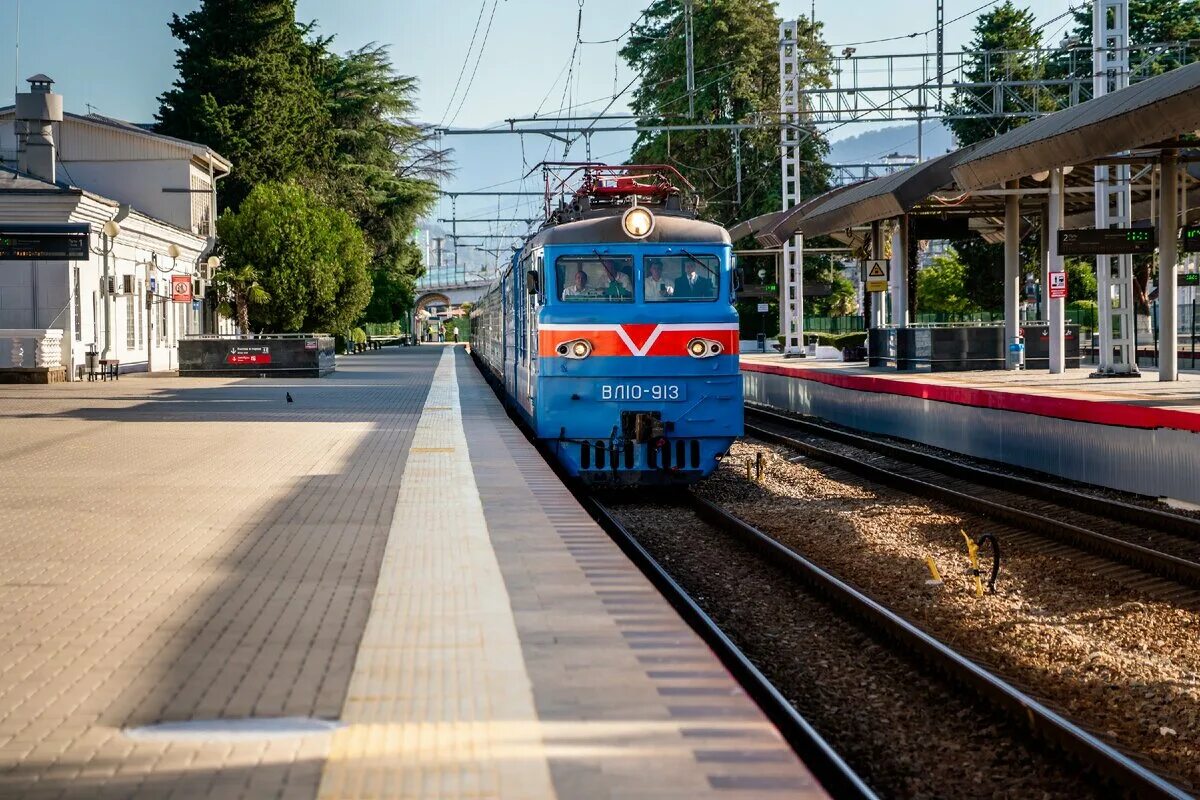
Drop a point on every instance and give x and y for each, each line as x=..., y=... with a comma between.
x=241, y=290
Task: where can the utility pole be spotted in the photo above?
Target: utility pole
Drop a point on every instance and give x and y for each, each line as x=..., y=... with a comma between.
x=791, y=268
x=691, y=64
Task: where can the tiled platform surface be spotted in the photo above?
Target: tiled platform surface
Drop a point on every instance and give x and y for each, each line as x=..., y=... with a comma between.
x=1130, y=402
x=183, y=549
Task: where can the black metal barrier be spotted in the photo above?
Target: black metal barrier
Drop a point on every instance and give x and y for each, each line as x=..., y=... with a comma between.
x=272, y=356
x=959, y=349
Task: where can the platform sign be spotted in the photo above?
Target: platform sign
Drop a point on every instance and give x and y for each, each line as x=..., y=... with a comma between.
x=239, y=354
x=1191, y=239
x=44, y=242
x=1187, y=279
x=1105, y=241
x=877, y=276
x=763, y=308
x=1058, y=285
x=181, y=288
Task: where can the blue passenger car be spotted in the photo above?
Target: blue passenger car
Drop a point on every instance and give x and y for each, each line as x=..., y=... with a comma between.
x=614, y=335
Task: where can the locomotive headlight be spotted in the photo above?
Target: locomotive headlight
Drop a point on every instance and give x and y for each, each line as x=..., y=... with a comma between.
x=577, y=349
x=638, y=222
x=704, y=348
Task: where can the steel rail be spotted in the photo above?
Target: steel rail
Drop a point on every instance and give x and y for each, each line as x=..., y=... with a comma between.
x=823, y=761
x=1126, y=512
x=1145, y=558
x=1025, y=711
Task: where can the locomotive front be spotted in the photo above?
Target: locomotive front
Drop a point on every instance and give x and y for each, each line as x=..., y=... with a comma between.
x=637, y=336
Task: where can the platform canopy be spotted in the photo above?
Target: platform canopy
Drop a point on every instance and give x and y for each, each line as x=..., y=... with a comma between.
x=1156, y=111
x=775, y=228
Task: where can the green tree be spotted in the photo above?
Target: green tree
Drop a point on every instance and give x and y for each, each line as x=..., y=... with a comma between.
x=246, y=89
x=239, y=289
x=310, y=258
x=997, y=32
x=736, y=56
x=1081, y=279
x=941, y=286
x=384, y=168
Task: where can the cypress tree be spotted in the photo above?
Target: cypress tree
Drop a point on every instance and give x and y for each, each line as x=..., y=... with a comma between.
x=246, y=89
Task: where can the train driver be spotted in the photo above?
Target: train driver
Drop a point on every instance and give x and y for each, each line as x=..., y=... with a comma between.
x=619, y=282
x=654, y=285
x=578, y=285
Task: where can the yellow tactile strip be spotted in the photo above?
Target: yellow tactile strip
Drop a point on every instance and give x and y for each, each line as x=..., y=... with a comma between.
x=439, y=703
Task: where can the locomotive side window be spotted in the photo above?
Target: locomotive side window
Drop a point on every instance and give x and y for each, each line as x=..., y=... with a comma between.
x=692, y=276
x=595, y=279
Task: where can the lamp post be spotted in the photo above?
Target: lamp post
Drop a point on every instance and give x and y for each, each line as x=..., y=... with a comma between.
x=110, y=231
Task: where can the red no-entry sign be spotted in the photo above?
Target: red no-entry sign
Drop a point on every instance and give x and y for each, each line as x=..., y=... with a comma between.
x=181, y=288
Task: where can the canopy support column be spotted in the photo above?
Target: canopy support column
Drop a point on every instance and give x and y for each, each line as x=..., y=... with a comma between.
x=1054, y=263
x=878, y=312
x=1012, y=267
x=1168, y=257
x=898, y=273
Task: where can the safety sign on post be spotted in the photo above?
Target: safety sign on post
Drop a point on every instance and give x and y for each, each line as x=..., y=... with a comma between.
x=1058, y=285
x=181, y=288
x=877, y=276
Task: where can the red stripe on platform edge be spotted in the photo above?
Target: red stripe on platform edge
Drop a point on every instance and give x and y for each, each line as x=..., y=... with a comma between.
x=1096, y=412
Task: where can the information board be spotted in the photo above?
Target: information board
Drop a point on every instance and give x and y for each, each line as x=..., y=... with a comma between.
x=1191, y=239
x=1105, y=241
x=31, y=242
x=1187, y=279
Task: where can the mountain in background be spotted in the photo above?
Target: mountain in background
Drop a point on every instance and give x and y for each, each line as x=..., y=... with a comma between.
x=875, y=145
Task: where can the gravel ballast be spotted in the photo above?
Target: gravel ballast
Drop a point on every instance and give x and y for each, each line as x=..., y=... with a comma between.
x=906, y=733
x=1122, y=664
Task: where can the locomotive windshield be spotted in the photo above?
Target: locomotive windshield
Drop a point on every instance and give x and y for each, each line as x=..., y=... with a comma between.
x=687, y=277
x=595, y=279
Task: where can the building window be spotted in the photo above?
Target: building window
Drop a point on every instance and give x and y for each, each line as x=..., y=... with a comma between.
x=162, y=327
x=78, y=308
x=130, y=334
x=141, y=304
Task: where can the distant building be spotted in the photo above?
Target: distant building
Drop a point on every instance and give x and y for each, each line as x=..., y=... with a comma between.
x=66, y=175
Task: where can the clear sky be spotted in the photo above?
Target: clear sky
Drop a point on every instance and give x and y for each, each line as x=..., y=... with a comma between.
x=118, y=56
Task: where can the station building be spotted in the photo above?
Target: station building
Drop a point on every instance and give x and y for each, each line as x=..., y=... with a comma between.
x=68, y=287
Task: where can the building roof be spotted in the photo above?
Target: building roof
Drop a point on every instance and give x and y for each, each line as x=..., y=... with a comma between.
x=222, y=165
x=13, y=181
x=1151, y=112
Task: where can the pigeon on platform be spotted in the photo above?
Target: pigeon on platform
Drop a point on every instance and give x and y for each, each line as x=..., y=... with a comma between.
x=289, y=397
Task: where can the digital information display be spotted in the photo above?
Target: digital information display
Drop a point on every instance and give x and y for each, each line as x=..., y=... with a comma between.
x=44, y=242
x=1106, y=241
x=1191, y=239
x=1187, y=279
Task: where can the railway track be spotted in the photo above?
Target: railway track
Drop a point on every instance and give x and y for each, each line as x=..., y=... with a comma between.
x=825, y=763
x=1023, y=713
x=1163, y=545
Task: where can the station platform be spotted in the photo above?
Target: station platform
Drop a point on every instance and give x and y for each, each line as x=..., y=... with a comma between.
x=377, y=590
x=1132, y=434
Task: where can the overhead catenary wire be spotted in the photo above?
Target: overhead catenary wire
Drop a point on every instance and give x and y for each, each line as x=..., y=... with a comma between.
x=466, y=60
x=478, y=59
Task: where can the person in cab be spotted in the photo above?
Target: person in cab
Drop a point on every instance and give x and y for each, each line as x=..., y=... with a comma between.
x=619, y=282
x=655, y=286
x=578, y=285
x=691, y=284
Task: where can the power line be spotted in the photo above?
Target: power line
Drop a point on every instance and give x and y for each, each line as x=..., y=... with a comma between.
x=466, y=60
x=915, y=34
x=478, y=58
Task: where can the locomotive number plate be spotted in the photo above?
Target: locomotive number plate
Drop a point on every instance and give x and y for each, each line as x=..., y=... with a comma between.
x=634, y=392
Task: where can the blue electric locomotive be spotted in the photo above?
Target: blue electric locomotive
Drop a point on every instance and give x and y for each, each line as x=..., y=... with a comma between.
x=614, y=335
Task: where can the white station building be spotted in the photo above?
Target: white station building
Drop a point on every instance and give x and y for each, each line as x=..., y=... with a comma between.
x=85, y=197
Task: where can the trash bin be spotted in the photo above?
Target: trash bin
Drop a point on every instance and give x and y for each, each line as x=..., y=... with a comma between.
x=762, y=343
x=1016, y=353
x=91, y=362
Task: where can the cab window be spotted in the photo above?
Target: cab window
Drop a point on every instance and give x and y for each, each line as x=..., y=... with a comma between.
x=595, y=279
x=692, y=276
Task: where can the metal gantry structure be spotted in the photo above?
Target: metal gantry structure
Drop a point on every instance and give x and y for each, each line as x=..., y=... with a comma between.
x=1114, y=274
x=791, y=267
